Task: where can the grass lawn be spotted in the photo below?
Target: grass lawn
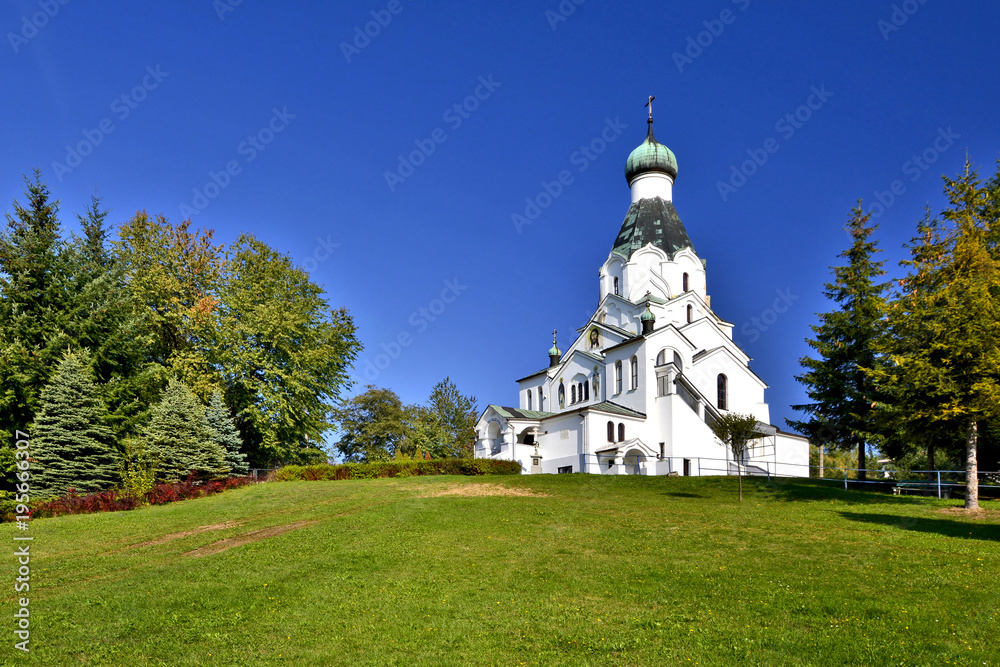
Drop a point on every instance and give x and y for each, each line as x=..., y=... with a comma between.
x=590, y=570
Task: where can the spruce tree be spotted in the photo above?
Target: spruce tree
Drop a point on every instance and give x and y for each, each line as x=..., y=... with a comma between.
x=945, y=344
x=843, y=396
x=32, y=304
x=179, y=438
x=226, y=435
x=71, y=442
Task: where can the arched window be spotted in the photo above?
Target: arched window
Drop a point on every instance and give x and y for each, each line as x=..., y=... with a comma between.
x=661, y=358
x=541, y=399
x=617, y=288
x=621, y=432
x=562, y=395
x=572, y=394
x=678, y=363
x=611, y=431
x=618, y=377
x=635, y=372
x=529, y=400
x=586, y=391
x=723, y=383
x=690, y=313
x=684, y=281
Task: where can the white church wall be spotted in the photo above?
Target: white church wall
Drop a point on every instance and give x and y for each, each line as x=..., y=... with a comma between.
x=628, y=397
x=650, y=185
x=613, y=268
x=792, y=455
x=692, y=438
x=643, y=275
x=685, y=261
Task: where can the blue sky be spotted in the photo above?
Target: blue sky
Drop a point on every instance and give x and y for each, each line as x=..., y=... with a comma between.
x=283, y=120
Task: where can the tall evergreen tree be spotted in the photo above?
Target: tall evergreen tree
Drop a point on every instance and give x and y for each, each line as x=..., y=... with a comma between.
x=945, y=343
x=72, y=445
x=843, y=396
x=179, y=438
x=32, y=304
x=226, y=435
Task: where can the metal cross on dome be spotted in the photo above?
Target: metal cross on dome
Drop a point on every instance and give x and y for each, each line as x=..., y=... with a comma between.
x=650, y=105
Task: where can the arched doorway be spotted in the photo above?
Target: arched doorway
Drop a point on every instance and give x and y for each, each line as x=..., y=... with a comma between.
x=632, y=462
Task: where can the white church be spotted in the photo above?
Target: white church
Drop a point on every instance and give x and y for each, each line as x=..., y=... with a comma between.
x=637, y=389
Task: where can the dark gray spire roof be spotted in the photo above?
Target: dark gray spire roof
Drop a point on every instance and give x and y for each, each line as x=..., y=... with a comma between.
x=652, y=221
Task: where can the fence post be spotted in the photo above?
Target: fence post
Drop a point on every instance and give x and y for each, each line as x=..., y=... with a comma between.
x=699, y=466
x=939, y=484
x=845, y=479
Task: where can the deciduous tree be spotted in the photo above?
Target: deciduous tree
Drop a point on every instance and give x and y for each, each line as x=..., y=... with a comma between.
x=372, y=425
x=285, y=353
x=736, y=431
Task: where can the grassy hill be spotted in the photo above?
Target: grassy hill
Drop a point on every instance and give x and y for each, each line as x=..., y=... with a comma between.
x=546, y=570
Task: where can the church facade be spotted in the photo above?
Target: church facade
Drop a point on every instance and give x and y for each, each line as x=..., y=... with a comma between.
x=637, y=389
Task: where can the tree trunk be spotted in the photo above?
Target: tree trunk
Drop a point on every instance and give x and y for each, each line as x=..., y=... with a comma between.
x=821, y=461
x=971, y=467
x=862, y=468
x=739, y=473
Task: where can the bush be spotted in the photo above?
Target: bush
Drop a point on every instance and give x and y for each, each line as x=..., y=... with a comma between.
x=402, y=468
x=117, y=501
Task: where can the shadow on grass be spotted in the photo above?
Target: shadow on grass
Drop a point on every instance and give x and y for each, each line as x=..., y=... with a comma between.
x=947, y=527
x=684, y=494
x=798, y=489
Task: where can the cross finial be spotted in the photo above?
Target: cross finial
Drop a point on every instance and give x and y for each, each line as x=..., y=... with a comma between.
x=553, y=336
x=650, y=105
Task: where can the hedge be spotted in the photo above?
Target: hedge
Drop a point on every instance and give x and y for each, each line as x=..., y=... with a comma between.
x=326, y=472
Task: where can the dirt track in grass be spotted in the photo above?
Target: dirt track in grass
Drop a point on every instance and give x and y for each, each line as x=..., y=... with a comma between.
x=246, y=538
x=186, y=533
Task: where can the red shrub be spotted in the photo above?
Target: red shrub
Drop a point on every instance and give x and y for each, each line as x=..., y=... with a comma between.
x=111, y=501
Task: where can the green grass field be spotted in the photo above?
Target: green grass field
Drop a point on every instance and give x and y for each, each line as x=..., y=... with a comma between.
x=590, y=571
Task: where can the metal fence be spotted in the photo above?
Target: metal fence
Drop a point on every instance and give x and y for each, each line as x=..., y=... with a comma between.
x=939, y=483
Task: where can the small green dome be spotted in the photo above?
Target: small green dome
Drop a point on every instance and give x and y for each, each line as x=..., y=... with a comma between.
x=554, y=352
x=651, y=155
x=647, y=315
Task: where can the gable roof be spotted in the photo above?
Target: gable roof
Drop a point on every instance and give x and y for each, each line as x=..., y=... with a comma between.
x=651, y=221
x=614, y=408
x=517, y=413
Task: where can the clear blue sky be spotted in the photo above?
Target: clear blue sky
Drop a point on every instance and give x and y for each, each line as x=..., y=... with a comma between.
x=200, y=78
